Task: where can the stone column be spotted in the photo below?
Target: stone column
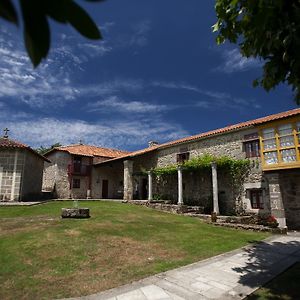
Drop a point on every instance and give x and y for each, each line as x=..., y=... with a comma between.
x=88, y=194
x=215, y=188
x=128, y=180
x=276, y=203
x=180, y=186
x=150, y=196
x=13, y=184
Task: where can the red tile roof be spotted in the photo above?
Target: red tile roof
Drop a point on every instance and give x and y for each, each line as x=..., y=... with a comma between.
x=7, y=143
x=87, y=150
x=226, y=129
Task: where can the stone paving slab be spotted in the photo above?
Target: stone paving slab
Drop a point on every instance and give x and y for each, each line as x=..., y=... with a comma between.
x=232, y=275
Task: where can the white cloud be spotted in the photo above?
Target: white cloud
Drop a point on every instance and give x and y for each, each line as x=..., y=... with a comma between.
x=115, y=104
x=140, y=35
x=213, y=98
x=45, y=86
x=107, y=26
x=233, y=61
x=117, y=134
x=100, y=49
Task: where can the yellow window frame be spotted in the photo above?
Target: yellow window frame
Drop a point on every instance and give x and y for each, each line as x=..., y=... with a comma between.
x=296, y=134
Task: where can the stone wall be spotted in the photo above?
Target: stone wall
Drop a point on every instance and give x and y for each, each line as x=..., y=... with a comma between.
x=32, y=178
x=12, y=164
x=114, y=174
x=56, y=174
x=197, y=185
x=289, y=181
x=230, y=144
x=56, y=178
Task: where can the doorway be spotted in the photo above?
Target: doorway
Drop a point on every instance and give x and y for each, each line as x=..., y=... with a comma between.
x=144, y=189
x=104, y=188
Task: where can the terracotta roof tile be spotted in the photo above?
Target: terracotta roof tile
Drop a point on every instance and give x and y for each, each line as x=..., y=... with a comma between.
x=8, y=144
x=226, y=129
x=87, y=150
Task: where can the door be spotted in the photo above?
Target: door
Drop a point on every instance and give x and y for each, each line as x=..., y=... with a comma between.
x=144, y=189
x=104, y=188
x=1, y=172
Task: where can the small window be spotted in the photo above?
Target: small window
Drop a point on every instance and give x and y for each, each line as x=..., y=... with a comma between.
x=182, y=157
x=251, y=145
x=256, y=199
x=76, y=183
x=77, y=159
x=252, y=149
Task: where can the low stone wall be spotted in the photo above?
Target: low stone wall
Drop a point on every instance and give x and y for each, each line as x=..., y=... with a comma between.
x=253, y=227
x=173, y=208
x=251, y=222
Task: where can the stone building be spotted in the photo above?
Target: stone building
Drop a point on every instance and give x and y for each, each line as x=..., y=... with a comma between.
x=21, y=171
x=272, y=185
x=70, y=173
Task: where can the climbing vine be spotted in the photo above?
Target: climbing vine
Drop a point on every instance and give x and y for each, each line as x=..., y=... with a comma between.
x=238, y=168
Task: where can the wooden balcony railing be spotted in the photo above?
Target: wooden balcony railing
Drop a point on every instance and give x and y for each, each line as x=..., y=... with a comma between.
x=79, y=169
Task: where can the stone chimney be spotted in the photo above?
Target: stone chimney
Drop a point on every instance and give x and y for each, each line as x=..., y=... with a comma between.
x=152, y=144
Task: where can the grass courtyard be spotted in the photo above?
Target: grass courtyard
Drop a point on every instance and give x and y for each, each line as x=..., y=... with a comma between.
x=43, y=256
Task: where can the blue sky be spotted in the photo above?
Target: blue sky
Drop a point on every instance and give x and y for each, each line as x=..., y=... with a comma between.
x=157, y=75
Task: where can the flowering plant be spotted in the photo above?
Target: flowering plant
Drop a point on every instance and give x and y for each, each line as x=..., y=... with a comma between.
x=272, y=222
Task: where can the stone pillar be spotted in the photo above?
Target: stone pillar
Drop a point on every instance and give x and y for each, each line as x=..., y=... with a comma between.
x=150, y=196
x=180, y=186
x=88, y=194
x=128, y=180
x=215, y=188
x=13, y=184
x=276, y=203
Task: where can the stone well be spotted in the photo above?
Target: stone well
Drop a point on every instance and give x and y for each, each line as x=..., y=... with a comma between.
x=77, y=213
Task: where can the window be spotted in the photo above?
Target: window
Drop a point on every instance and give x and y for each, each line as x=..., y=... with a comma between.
x=182, y=157
x=77, y=164
x=76, y=183
x=251, y=145
x=280, y=145
x=256, y=199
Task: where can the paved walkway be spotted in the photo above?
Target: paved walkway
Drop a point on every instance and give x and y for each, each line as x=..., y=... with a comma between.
x=232, y=275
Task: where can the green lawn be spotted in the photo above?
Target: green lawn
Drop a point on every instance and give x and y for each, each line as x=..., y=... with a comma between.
x=43, y=256
x=286, y=286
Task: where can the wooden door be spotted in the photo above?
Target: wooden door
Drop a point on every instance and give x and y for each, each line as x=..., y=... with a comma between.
x=145, y=189
x=104, y=188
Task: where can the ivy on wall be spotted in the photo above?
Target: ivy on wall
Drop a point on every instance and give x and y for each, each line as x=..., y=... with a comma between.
x=237, y=168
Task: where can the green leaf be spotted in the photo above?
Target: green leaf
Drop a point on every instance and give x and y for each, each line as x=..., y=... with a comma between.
x=8, y=12
x=37, y=38
x=82, y=22
x=56, y=9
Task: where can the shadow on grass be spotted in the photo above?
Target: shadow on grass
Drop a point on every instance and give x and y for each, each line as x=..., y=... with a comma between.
x=285, y=286
x=266, y=260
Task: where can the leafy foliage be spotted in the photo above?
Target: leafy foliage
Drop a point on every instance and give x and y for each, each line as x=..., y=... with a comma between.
x=237, y=167
x=35, y=15
x=265, y=29
x=42, y=150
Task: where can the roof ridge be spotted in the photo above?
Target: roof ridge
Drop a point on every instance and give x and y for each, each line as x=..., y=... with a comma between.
x=98, y=147
x=209, y=133
x=10, y=143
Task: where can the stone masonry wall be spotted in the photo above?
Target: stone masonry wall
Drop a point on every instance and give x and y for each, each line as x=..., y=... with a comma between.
x=197, y=186
x=80, y=193
x=11, y=168
x=33, y=177
x=114, y=174
x=289, y=181
x=56, y=175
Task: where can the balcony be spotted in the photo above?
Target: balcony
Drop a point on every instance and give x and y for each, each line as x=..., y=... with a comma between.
x=79, y=169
